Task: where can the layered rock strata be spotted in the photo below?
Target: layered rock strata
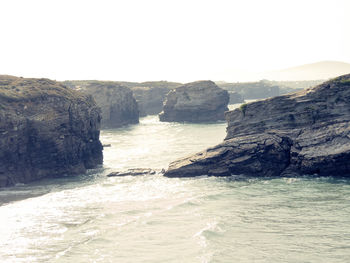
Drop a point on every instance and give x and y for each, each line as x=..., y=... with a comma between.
x=117, y=102
x=46, y=129
x=201, y=101
x=150, y=95
x=303, y=133
x=150, y=99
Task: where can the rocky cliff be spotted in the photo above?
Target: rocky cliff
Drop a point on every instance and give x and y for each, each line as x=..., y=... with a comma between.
x=304, y=133
x=151, y=95
x=46, y=129
x=117, y=102
x=199, y=101
x=149, y=99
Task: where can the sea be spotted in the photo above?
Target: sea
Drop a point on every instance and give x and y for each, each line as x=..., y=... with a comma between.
x=95, y=218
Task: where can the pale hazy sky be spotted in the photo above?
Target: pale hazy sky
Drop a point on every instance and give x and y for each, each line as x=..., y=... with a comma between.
x=182, y=40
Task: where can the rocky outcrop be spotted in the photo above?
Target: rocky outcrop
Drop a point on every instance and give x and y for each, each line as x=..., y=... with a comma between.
x=253, y=90
x=199, y=101
x=133, y=172
x=46, y=129
x=151, y=95
x=150, y=99
x=117, y=103
x=304, y=133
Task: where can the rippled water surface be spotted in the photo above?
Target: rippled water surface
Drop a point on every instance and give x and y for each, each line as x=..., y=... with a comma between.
x=94, y=218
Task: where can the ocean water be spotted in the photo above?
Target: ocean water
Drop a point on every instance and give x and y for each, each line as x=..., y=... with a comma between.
x=94, y=218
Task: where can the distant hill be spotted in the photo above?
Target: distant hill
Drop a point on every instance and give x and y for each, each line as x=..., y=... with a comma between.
x=314, y=71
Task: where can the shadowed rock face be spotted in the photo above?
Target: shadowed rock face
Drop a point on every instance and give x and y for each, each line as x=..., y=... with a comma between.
x=150, y=95
x=199, y=101
x=46, y=129
x=150, y=99
x=117, y=103
x=303, y=133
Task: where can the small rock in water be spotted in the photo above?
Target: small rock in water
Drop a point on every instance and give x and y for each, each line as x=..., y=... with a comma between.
x=133, y=172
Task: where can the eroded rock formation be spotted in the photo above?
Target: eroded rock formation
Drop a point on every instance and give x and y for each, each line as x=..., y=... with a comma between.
x=303, y=133
x=46, y=129
x=150, y=99
x=150, y=95
x=117, y=102
x=199, y=101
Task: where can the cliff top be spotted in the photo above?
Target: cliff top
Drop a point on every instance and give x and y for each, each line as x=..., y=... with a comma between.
x=198, y=85
x=17, y=88
x=343, y=80
x=132, y=85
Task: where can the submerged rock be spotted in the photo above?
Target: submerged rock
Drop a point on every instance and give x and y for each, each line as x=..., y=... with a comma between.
x=303, y=133
x=46, y=129
x=117, y=103
x=133, y=172
x=200, y=101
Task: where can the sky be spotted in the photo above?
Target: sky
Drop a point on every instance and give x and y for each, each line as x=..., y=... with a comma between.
x=179, y=40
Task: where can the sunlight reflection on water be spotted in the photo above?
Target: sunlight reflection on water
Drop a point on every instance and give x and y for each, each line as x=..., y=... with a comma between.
x=94, y=218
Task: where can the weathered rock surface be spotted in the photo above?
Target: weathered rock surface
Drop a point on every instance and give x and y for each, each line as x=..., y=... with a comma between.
x=304, y=133
x=117, y=103
x=199, y=101
x=151, y=95
x=46, y=129
x=150, y=99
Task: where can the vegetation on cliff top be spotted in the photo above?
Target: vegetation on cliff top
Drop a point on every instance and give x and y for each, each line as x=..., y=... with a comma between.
x=243, y=108
x=17, y=89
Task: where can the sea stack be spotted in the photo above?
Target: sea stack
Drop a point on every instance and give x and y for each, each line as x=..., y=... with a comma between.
x=117, y=102
x=302, y=133
x=46, y=129
x=200, y=101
